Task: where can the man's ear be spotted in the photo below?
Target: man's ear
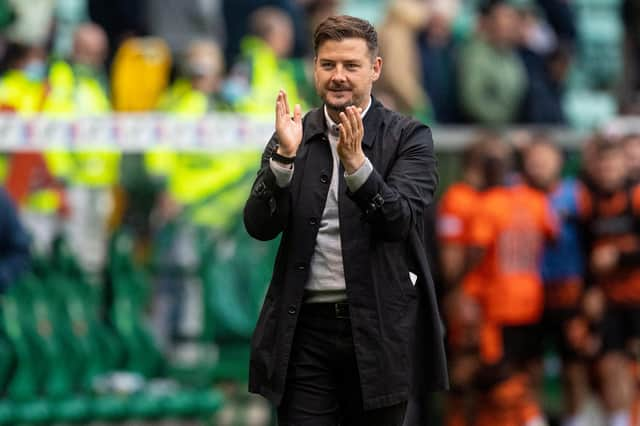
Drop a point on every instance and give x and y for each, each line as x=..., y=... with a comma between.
x=377, y=68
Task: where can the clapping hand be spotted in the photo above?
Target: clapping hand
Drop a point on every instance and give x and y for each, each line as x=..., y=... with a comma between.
x=288, y=129
x=350, y=141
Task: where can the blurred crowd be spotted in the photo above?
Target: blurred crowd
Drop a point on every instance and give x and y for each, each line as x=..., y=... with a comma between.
x=486, y=62
x=534, y=262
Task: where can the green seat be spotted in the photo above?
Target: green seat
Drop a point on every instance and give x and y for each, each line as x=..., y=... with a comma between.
x=130, y=293
x=7, y=413
x=36, y=411
x=587, y=109
x=195, y=403
x=73, y=409
x=110, y=407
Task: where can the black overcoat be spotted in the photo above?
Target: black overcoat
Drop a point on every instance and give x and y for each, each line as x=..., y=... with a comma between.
x=381, y=225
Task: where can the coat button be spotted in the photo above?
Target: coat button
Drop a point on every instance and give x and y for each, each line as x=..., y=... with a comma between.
x=313, y=221
x=324, y=179
x=292, y=310
x=300, y=267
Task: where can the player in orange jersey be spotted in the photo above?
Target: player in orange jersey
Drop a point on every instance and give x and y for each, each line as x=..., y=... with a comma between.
x=611, y=214
x=462, y=286
x=508, y=232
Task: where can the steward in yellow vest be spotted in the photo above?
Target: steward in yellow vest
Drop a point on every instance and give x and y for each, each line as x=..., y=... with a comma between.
x=75, y=89
x=264, y=66
x=23, y=91
x=193, y=179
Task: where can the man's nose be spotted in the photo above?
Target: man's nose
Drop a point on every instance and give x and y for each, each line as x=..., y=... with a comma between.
x=338, y=74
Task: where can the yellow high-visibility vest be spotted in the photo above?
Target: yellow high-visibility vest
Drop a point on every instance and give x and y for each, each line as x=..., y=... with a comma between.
x=192, y=177
x=268, y=76
x=21, y=94
x=26, y=96
x=76, y=95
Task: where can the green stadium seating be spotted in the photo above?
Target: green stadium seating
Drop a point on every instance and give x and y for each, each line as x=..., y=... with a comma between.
x=54, y=345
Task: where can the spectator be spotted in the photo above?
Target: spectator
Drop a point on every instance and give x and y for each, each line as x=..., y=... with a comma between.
x=78, y=86
x=264, y=67
x=21, y=83
x=29, y=181
x=14, y=244
x=438, y=58
x=190, y=178
x=491, y=76
x=197, y=90
x=181, y=22
x=546, y=63
x=86, y=69
x=187, y=205
x=560, y=15
x=401, y=81
x=237, y=12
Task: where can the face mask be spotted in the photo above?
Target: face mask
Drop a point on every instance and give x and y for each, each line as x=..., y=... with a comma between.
x=35, y=70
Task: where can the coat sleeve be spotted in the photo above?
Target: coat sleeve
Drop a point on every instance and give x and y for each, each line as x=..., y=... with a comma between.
x=14, y=246
x=393, y=204
x=267, y=209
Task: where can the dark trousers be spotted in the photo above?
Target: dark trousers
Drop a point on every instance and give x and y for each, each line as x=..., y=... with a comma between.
x=323, y=384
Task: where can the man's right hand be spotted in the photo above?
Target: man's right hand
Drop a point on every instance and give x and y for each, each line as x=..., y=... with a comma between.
x=288, y=130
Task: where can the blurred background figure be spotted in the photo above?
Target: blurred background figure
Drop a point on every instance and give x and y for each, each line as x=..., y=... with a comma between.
x=79, y=85
x=563, y=326
x=238, y=12
x=547, y=65
x=186, y=183
x=265, y=64
x=400, y=86
x=609, y=210
x=463, y=283
x=438, y=59
x=198, y=86
x=507, y=236
x=14, y=246
x=492, y=78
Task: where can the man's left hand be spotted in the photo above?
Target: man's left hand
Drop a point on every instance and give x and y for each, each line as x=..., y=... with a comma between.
x=350, y=142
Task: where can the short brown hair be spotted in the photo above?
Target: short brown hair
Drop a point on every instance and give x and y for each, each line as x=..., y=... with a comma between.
x=338, y=28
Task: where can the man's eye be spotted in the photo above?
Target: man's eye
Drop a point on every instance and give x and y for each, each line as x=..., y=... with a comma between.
x=352, y=66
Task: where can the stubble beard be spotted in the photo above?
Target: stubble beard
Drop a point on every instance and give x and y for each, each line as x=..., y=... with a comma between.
x=341, y=107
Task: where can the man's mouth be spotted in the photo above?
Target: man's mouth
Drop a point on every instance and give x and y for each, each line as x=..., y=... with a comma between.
x=340, y=93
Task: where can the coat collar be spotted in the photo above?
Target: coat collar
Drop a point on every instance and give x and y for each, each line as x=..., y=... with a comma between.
x=315, y=124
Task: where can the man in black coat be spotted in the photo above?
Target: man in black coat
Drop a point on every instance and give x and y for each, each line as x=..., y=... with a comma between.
x=349, y=332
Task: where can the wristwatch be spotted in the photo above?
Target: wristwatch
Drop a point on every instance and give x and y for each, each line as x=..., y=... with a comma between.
x=281, y=158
